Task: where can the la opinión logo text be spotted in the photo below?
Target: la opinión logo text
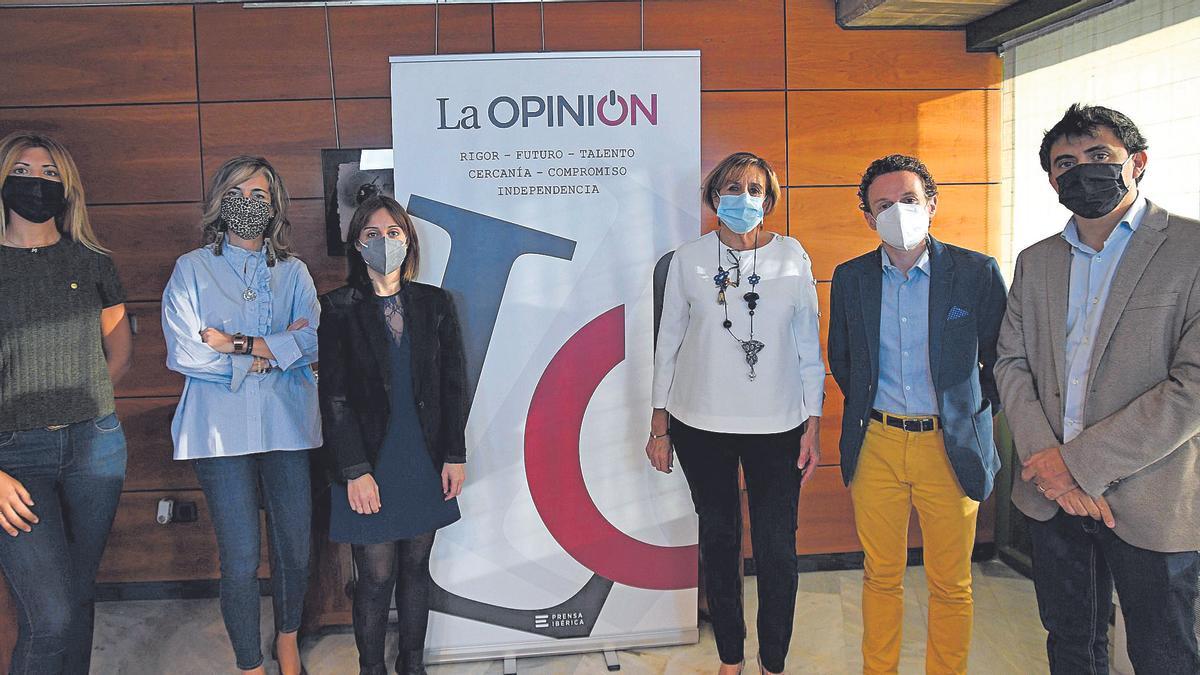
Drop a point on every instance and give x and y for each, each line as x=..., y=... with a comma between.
x=583, y=110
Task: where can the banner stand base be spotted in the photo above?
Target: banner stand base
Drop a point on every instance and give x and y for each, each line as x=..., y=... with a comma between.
x=611, y=660
x=509, y=653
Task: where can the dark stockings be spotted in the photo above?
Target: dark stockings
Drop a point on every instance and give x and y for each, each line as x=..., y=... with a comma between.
x=403, y=565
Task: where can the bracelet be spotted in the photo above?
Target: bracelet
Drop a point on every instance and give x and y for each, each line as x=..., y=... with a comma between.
x=652, y=435
x=249, y=345
x=239, y=343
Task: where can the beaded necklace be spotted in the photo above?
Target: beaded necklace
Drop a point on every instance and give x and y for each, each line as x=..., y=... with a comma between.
x=750, y=347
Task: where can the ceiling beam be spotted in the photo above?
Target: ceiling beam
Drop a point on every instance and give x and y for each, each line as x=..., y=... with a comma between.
x=1027, y=18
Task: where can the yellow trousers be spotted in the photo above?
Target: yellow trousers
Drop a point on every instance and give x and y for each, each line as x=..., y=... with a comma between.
x=898, y=470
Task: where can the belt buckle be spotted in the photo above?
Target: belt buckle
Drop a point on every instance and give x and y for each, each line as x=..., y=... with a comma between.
x=56, y=427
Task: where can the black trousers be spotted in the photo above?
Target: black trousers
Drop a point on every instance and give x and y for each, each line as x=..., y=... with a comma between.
x=1076, y=563
x=710, y=462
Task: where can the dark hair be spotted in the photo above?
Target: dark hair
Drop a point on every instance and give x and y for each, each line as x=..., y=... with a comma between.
x=892, y=164
x=1083, y=120
x=357, y=266
x=734, y=166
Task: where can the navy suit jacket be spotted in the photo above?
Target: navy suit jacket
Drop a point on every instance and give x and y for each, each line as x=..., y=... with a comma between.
x=966, y=306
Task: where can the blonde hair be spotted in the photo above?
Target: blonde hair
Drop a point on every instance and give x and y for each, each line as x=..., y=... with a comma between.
x=278, y=241
x=74, y=220
x=735, y=166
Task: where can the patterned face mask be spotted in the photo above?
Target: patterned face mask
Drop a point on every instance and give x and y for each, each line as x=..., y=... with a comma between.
x=246, y=217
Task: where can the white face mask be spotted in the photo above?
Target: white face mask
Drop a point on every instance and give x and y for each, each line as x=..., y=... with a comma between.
x=903, y=226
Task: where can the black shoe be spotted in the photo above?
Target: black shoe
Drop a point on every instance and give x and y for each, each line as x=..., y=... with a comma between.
x=411, y=662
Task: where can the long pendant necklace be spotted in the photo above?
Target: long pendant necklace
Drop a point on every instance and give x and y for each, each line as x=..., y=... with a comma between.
x=249, y=293
x=750, y=347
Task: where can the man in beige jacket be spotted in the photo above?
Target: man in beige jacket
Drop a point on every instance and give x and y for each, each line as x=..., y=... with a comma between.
x=1099, y=372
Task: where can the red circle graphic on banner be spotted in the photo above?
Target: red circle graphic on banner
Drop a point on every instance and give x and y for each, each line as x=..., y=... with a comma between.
x=552, y=467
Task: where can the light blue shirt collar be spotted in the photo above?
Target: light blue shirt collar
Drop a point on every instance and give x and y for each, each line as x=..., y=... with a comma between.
x=1131, y=222
x=237, y=253
x=922, y=262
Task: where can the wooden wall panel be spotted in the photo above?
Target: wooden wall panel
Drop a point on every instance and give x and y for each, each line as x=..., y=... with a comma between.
x=834, y=135
x=290, y=134
x=517, y=27
x=831, y=424
x=826, y=519
x=740, y=41
x=832, y=229
x=308, y=229
x=464, y=29
x=744, y=121
x=139, y=549
x=147, y=424
x=149, y=375
x=362, y=39
x=593, y=26
x=125, y=154
x=823, y=56
x=365, y=122
x=88, y=60
x=145, y=240
x=261, y=54
x=823, y=304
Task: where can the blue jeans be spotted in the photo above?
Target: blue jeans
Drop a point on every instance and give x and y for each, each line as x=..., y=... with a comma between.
x=1076, y=563
x=74, y=475
x=233, y=487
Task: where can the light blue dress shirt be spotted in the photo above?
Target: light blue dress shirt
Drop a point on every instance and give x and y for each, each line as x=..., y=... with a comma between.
x=226, y=410
x=905, y=379
x=1092, y=274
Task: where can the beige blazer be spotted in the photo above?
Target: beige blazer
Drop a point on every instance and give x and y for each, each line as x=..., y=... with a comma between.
x=1140, y=447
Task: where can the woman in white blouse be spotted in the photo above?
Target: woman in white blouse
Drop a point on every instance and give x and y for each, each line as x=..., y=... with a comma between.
x=738, y=379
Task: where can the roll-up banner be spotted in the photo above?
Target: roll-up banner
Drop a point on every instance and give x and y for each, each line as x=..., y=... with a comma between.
x=545, y=188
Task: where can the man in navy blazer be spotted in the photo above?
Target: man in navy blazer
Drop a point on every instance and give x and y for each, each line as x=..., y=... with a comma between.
x=912, y=342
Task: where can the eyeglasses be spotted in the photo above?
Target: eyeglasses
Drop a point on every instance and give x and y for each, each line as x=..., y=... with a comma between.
x=733, y=266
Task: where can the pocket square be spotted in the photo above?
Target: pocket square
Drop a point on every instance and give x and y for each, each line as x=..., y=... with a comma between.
x=956, y=312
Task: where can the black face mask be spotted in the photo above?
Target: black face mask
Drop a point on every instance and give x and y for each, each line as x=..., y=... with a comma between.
x=34, y=199
x=1092, y=190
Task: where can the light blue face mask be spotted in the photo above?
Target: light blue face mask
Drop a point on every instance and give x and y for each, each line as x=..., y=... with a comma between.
x=740, y=213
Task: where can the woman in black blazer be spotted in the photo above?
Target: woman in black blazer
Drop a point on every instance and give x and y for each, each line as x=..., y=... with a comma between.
x=394, y=411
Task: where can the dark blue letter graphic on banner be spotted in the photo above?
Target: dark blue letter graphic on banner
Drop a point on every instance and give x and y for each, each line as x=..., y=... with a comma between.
x=482, y=252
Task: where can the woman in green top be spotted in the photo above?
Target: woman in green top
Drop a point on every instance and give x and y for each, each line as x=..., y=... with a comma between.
x=64, y=340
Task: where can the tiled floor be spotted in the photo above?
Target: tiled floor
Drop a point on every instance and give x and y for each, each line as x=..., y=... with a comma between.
x=187, y=636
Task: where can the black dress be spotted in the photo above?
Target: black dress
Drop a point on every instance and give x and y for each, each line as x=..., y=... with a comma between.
x=410, y=487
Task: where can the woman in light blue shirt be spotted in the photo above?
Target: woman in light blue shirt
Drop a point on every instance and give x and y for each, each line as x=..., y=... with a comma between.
x=240, y=318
